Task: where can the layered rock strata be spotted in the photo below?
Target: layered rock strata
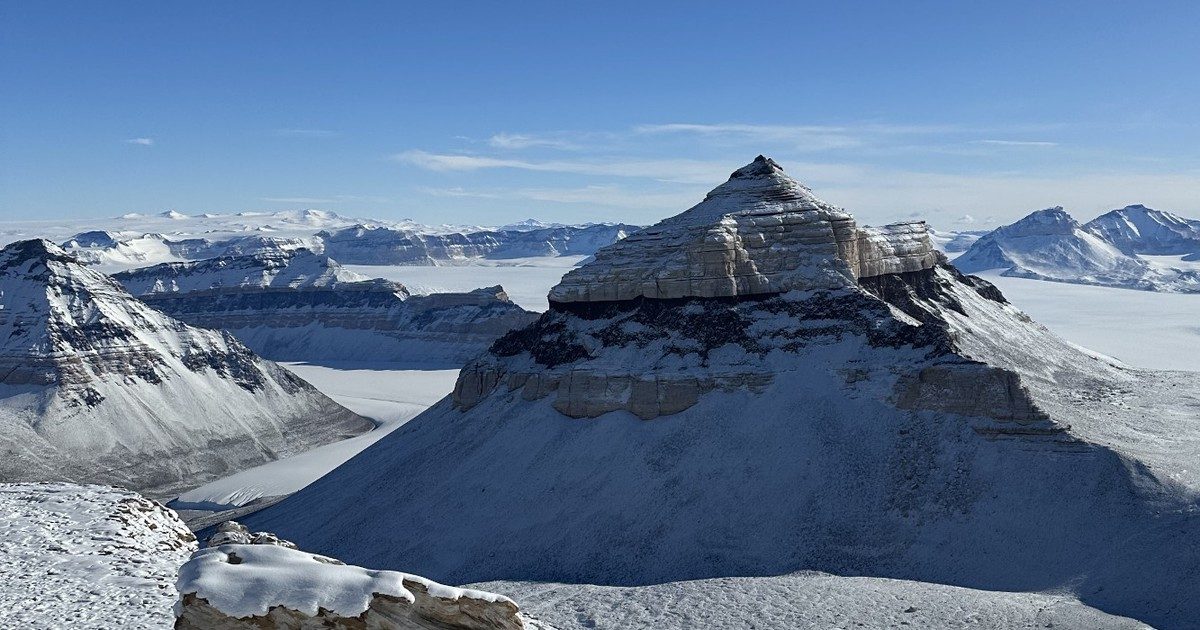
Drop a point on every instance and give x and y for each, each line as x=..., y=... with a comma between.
x=702, y=280
x=760, y=233
x=302, y=306
x=98, y=387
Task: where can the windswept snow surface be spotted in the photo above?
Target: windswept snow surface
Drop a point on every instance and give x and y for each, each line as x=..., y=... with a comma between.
x=387, y=393
x=1142, y=328
x=526, y=280
x=78, y=557
x=802, y=601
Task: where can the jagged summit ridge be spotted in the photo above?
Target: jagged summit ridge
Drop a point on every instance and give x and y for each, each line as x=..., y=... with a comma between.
x=759, y=233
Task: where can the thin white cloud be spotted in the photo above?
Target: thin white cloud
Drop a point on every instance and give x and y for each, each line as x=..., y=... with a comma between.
x=1018, y=143
x=661, y=203
x=813, y=137
x=313, y=200
x=965, y=219
x=142, y=142
x=305, y=133
x=673, y=170
x=526, y=141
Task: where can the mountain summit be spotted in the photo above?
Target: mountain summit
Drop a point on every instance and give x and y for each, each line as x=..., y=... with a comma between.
x=759, y=386
x=95, y=386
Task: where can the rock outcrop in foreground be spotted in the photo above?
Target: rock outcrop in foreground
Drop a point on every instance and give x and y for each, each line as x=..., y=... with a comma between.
x=99, y=387
x=758, y=387
x=257, y=581
x=302, y=306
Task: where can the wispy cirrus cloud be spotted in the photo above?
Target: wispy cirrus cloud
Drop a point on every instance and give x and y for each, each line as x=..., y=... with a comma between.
x=141, y=142
x=527, y=141
x=592, y=196
x=314, y=200
x=326, y=200
x=672, y=170
x=305, y=133
x=814, y=137
x=1018, y=143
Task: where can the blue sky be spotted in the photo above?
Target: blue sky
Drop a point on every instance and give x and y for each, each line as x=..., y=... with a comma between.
x=967, y=113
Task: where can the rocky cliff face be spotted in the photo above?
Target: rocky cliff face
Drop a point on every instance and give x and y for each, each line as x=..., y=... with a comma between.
x=375, y=245
x=302, y=306
x=760, y=233
x=99, y=387
x=710, y=278
x=838, y=400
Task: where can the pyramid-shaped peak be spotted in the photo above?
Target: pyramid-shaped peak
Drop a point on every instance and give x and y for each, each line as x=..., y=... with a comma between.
x=761, y=232
x=762, y=166
x=37, y=249
x=1054, y=220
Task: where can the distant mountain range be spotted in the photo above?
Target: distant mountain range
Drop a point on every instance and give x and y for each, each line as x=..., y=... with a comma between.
x=1110, y=250
x=297, y=305
x=135, y=240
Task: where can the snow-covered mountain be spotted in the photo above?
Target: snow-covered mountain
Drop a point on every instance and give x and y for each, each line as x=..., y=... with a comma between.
x=955, y=242
x=379, y=245
x=1141, y=230
x=1051, y=245
x=759, y=386
x=119, y=250
x=301, y=306
x=136, y=240
x=96, y=386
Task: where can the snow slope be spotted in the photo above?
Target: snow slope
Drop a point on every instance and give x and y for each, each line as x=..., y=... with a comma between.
x=387, y=393
x=1146, y=329
x=1050, y=245
x=1141, y=230
x=87, y=557
x=803, y=601
x=525, y=280
x=908, y=424
x=98, y=387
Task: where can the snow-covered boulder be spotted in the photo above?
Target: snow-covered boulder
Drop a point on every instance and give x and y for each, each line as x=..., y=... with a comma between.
x=87, y=558
x=269, y=586
x=234, y=533
x=95, y=386
x=1140, y=230
x=302, y=306
x=1051, y=245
